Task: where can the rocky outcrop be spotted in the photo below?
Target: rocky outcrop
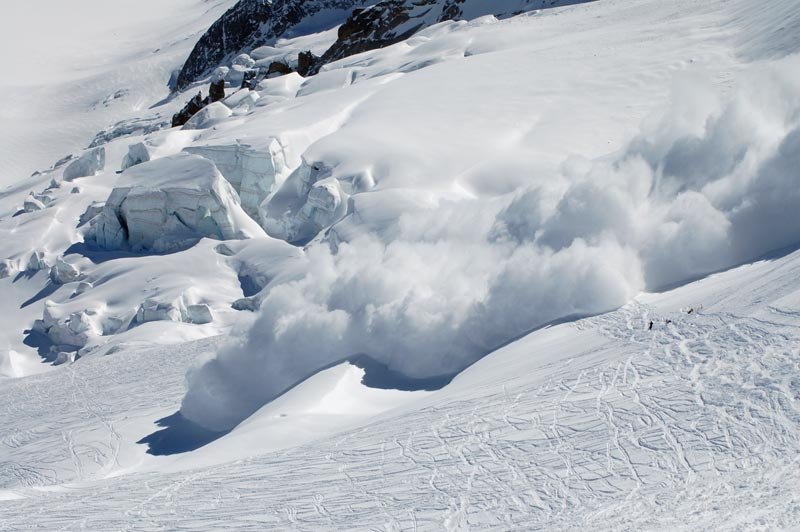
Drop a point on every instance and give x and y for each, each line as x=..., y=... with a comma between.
x=191, y=108
x=252, y=23
x=391, y=21
x=90, y=163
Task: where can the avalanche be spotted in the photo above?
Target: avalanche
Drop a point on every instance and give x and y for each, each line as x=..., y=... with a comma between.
x=501, y=265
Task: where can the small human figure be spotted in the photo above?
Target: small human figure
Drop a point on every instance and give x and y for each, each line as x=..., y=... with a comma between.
x=650, y=326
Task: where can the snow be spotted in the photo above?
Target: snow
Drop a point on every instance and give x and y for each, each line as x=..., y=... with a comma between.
x=64, y=60
x=168, y=204
x=414, y=291
x=91, y=163
x=253, y=170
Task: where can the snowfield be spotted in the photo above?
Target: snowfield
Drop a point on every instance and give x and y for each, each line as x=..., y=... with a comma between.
x=532, y=273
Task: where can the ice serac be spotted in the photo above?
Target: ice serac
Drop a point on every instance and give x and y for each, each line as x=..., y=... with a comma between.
x=307, y=203
x=391, y=21
x=137, y=154
x=252, y=23
x=252, y=169
x=90, y=163
x=168, y=204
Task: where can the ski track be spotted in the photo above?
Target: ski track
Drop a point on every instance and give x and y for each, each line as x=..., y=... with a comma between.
x=697, y=418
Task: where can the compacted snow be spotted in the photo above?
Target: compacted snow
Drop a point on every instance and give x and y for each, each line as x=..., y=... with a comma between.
x=530, y=273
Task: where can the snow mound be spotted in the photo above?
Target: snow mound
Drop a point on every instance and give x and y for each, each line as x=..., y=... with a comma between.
x=209, y=116
x=90, y=163
x=253, y=172
x=168, y=204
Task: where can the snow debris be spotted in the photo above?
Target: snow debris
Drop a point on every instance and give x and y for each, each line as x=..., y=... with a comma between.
x=7, y=269
x=137, y=154
x=199, y=314
x=90, y=163
x=82, y=288
x=63, y=272
x=209, y=116
x=152, y=310
x=36, y=262
x=243, y=60
x=32, y=204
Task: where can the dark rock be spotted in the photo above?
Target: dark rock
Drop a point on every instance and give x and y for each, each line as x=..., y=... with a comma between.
x=306, y=62
x=278, y=68
x=250, y=79
x=216, y=91
x=189, y=110
x=392, y=21
x=253, y=23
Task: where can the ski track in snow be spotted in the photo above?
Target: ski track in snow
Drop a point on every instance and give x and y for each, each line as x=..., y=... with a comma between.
x=672, y=428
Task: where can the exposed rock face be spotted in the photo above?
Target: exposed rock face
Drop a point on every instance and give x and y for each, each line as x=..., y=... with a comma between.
x=252, y=23
x=73, y=331
x=392, y=21
x=306, y=63
x=167, y=205
x=216, y=91
x=6, y=269
x=191, y=108
x=278, y=68
x=63, y=272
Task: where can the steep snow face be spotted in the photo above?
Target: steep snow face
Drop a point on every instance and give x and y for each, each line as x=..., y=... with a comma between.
x=254, y=23
x=169, y=204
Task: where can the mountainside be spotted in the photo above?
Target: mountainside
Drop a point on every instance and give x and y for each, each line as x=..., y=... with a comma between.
x=252, y=23
x=517, y=271
x=392, y=21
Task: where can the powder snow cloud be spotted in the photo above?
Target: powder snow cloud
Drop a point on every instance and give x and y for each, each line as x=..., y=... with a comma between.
x=711, y=184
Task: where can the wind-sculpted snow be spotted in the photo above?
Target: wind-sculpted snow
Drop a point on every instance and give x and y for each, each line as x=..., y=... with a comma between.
x=712, y=184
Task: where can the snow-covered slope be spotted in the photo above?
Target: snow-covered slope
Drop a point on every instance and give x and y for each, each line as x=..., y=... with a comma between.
x=72, y=69
x=464, y=281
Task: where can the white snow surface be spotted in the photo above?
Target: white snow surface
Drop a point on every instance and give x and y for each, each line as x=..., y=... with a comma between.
x=587, y=215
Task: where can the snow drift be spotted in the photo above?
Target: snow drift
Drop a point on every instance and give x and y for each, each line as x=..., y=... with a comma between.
x=711, y=184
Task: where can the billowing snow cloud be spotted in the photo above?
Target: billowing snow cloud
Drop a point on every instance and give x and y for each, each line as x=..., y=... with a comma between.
x=710, y=185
